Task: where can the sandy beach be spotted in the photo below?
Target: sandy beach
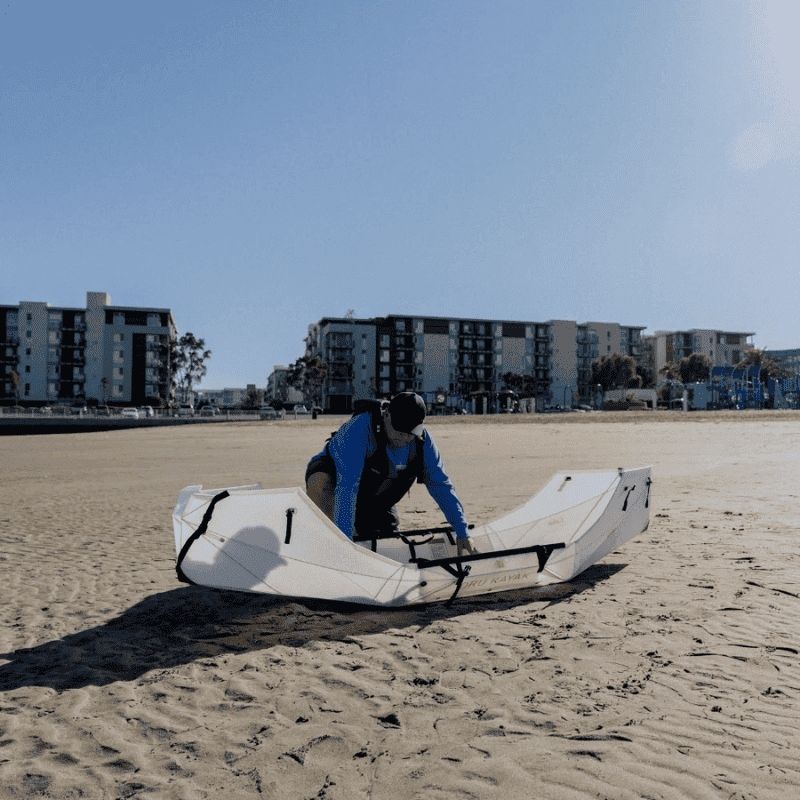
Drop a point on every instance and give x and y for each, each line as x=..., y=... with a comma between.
x=669, y=670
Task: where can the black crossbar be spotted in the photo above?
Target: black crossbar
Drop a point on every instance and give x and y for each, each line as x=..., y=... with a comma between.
x=541, y=550
x=400, y=534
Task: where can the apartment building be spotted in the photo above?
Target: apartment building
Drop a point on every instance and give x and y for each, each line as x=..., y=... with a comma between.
x=103, y=353
x=788, y=359
x=722, y=348
x=347, y=346
x=458, y=362
x=278, y=387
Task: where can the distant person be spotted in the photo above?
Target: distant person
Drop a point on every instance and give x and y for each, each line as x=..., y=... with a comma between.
x=372, y=461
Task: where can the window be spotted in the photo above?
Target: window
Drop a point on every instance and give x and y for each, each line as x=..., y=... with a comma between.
x=27, y=368
x=119, y=337
x=384, y=356
x=118, y=372
x=27, y=351
x=27, y=389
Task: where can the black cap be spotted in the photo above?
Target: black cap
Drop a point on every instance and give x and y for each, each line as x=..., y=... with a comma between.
x=407, y=411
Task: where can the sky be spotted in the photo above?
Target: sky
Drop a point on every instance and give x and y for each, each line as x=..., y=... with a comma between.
x=255, y=166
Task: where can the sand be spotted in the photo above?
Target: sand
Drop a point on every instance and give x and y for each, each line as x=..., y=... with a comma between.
x=669, y=670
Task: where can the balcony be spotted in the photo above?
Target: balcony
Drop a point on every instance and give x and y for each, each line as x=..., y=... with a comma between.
x=334, y=340
x=340, y=355
x=73, y=358
x=404, y=357
x=341, y=372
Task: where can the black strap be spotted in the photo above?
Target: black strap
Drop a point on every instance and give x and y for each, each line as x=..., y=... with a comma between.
x=461, y=573
x=201, y=529
x=624, y=488
x=647, y=499
x=544, y=552
x=289, y=515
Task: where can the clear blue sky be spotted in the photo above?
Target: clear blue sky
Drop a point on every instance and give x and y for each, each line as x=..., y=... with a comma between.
x=255, y=166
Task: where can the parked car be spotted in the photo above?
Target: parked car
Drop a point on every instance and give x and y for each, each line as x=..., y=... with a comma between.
x=46, y=411
x=130, y=413
x=103, y=411
x=208, y=411
x=146, y=411
x=185, y=410
x=300, y=410
x=80, y=409
x=267, y=412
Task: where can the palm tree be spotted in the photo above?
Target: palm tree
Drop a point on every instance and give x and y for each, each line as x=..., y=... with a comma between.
x=769, y=367
x=694, y=368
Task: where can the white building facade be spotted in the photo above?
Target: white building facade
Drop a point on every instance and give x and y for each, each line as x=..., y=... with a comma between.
x=101, y=353
x=722, y=348
x=462, y=363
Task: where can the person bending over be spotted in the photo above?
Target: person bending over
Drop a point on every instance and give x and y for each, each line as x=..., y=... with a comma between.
x=370, y=463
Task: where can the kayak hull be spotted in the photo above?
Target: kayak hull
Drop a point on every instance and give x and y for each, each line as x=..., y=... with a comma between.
x=277, y=542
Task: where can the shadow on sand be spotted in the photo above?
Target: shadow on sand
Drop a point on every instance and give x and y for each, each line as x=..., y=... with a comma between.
x=182, y=625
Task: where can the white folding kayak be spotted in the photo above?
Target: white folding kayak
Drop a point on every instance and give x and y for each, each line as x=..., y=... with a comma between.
x=276, y=541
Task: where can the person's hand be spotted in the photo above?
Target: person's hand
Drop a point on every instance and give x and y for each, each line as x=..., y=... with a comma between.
x=465, y=546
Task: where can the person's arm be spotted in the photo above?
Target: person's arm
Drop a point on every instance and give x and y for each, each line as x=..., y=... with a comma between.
x=349, y=450
x=441, y=489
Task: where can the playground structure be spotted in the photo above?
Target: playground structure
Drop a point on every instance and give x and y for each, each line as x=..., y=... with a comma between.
x=742, y=387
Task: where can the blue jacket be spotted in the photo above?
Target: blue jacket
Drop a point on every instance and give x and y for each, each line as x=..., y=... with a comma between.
x=355, y=441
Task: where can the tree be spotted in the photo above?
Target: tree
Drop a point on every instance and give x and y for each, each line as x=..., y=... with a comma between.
x=647, y=376
x=308, y=374
x=188, y=362
x=250, y=401
x=694, y=368
x=616, y=372
x=15, y=380
x=522, y=385
x=769, y=367
x=670, y=371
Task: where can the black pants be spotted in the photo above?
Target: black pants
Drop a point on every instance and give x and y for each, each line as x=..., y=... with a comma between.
x=376, y=513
